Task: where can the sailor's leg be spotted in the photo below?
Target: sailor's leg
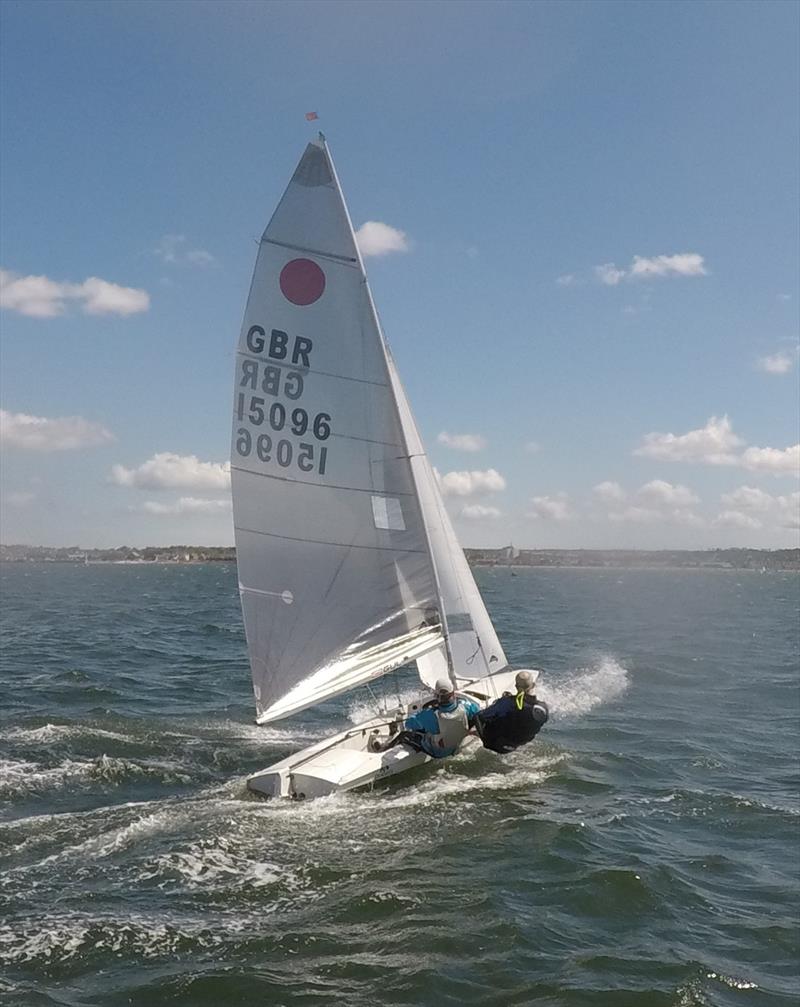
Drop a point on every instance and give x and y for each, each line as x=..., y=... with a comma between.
x=411, y=739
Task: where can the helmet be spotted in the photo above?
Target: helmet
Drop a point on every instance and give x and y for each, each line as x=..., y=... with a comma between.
x=524, y=681
x=443, y=687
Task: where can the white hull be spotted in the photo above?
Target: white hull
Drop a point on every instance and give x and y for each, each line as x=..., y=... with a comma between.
x=344, y=761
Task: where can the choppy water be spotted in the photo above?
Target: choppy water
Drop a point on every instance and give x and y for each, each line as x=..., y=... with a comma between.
x=644, y=851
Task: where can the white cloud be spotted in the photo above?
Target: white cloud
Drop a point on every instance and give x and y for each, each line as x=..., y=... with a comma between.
x=375, y=238
x=636, y=515
x=170, y=471
x=35, y=296
x=663, y=494
x=683, y=516
x=657, y=502
x=550, y=508
x=37, y=433
x=175, y=250
x=789, y=511
x=750, y=507
x=713, y=444
x=655, y=515
x=716, y=444
x=100, y=297
x=774, y=460
x=532, y=447
x=680, y=264
x=609, y=274
x=41, y=297
x=462, y=442
x=477, y=512
x=736, y=519
x=186, y=506
x=776, y=363
x=465, y=484
x=748, y=498
x=609, y=492
x=567, y=280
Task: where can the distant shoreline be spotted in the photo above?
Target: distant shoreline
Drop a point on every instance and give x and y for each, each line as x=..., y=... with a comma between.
x=757, y=560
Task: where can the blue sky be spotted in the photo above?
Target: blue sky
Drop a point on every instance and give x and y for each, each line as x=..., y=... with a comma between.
x=594, y=288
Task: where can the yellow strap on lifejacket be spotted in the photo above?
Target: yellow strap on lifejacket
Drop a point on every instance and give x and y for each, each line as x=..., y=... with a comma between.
x=519, y=699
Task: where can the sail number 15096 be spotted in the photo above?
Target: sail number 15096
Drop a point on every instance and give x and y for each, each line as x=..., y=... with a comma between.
x=277, y=417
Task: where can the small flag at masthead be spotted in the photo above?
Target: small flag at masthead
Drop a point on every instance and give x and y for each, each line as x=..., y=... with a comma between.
x=311, y=116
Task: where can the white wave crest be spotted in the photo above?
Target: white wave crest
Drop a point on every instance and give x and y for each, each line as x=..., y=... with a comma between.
x=255, y=734
x=55, y=732
x=443, y=785
x=106, y=830
x=103, y=845
x=65, y=937
x=210, y=868
x=18, y=776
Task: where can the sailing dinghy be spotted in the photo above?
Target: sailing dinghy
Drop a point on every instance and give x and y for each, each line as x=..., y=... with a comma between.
x=349, y=567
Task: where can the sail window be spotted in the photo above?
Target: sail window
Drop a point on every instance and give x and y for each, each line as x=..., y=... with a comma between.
x=387, y=514
x=460, y=622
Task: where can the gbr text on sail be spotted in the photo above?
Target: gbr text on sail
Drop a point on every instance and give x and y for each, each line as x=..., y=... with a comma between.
x=271, y=381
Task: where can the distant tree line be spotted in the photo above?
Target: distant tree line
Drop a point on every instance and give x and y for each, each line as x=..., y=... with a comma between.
x=721, y=559
x=122, y=554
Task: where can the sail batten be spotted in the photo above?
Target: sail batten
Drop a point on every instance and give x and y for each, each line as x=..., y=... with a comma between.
x=303, y=371
x=329, y=542
x=313, y=251
x=303, y=482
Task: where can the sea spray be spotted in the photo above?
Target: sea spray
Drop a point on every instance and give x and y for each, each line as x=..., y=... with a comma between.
x=572, y=696
x=584, y=689
x=364, y=709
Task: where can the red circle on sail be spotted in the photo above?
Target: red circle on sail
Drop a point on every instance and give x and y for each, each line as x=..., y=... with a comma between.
x=302, y=281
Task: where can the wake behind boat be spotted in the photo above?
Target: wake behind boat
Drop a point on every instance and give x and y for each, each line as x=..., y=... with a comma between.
x=349, y=567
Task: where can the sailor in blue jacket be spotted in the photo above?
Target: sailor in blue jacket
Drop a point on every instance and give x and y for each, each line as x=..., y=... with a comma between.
x=512, y=721
x=440, y=727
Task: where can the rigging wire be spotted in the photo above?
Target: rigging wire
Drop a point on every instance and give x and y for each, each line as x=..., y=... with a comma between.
x=397, y=686
x=375, y=699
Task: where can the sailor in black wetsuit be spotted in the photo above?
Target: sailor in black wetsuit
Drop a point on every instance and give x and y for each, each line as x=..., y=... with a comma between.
x=512, y=721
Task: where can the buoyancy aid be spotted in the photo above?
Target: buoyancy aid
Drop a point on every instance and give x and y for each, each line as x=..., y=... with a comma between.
x=453, y=728
x=528, y=718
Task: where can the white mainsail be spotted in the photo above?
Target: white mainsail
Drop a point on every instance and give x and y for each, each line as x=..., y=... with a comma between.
x=348, y=564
